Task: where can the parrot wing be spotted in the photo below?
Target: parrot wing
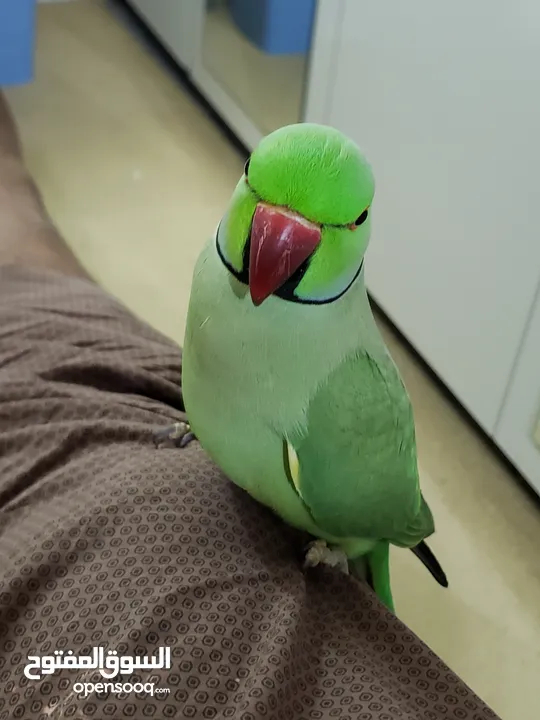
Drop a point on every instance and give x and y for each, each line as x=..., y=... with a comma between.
x=356, y=466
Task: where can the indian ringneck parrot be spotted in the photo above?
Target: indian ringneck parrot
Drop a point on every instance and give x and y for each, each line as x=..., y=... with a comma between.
x=287, y=382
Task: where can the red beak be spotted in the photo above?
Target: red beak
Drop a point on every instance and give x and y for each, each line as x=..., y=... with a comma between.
x=280, y=242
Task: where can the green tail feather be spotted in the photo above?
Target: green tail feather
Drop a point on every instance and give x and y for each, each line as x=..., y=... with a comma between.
x=375, y=568
x=379, y=570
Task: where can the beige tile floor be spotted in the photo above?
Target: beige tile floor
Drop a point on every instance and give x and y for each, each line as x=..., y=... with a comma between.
x=137, y=176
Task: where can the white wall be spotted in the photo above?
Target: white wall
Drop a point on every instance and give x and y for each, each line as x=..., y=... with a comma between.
x=444, y=99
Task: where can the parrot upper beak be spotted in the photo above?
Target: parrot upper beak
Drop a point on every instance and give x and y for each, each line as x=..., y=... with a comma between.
x=280, y=242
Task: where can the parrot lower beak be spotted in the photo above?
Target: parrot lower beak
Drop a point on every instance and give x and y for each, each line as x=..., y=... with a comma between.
x=281, y=240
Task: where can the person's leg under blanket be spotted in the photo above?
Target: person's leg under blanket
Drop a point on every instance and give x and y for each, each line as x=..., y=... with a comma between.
x=109, y=542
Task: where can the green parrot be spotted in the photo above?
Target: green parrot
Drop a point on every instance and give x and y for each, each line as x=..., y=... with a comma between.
x=287, y=382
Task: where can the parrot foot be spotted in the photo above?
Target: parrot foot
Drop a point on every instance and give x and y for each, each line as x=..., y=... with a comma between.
x=318, y=553
x=179, y=435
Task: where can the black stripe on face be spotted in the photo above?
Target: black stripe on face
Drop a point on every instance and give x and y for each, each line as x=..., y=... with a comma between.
x=287, y=290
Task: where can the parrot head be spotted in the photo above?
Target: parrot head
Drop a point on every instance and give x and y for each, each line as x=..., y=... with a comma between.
x=298, y=223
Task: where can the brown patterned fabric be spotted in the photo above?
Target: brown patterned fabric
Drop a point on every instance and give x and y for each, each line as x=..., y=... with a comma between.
x=107, y=541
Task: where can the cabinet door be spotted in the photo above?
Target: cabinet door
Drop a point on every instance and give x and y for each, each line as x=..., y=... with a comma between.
x=443, y=98
x=253, y=62
x=518, y=428
x=176, y=23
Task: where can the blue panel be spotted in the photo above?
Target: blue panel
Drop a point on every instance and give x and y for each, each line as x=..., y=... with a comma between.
x=276, y=26
x=17, y=39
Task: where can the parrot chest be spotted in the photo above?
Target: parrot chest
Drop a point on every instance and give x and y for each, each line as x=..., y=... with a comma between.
x=238, y=413
x=248, y=374
x=248, y=377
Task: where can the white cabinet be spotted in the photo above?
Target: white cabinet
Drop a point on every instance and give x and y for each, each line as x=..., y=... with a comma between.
x=518, y=429
x=443, y=98
x=176, y=23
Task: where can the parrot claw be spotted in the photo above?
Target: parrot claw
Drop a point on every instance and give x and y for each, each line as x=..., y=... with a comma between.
x=179, y=434
x=318, y=553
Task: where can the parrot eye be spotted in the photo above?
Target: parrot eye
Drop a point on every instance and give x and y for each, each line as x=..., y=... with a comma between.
x=361, y=219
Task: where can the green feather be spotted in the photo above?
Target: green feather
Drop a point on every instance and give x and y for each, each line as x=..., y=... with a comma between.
x=360, y=429
x=314, y=170
x=374, y=566
x=235, y=225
